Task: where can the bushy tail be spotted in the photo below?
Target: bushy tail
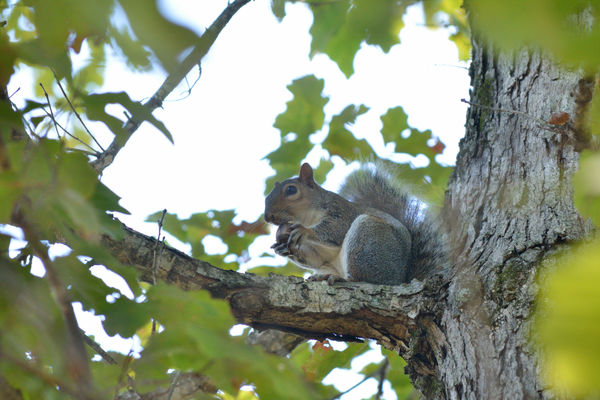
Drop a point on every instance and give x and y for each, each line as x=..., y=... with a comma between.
x=374, y=187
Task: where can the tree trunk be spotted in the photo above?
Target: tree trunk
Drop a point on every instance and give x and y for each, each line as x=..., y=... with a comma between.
x=509, y=205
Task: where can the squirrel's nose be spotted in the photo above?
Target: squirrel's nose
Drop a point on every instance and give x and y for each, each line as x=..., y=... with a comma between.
x=268, y=217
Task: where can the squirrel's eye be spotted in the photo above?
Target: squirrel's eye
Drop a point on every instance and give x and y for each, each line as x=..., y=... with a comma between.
x=291, y=190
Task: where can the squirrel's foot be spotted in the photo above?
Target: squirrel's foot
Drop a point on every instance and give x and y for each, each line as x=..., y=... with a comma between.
x=330, y=278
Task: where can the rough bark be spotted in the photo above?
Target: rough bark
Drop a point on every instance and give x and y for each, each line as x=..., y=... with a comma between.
x=347, y=311
x=509, y=204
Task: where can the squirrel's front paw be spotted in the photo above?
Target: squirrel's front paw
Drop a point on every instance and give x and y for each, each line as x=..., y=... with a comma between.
x=281, y=249
x=281, y=240
x=297, y=233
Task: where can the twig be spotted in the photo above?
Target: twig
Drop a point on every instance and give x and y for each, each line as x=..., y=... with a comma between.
x=15, y=92
x=188, y=92
x=381, y=371
x=173, y=384
x=96, y=347
x=93, y=152
x=500, y=109
x=155, y=262
x=50, y=107
x=542, y=124
x=204, y=44
x=75, y=111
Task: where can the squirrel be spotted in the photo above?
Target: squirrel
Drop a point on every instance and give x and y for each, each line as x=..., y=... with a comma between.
x=373, y=231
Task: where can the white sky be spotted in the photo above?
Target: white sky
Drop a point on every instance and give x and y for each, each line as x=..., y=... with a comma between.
x=224, y=128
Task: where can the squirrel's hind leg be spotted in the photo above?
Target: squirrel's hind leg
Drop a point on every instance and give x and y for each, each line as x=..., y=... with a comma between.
x=377, y=250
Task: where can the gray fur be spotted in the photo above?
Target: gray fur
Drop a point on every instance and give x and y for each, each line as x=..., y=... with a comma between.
x=373, y=188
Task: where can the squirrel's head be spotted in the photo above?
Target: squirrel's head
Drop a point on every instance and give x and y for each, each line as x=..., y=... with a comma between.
x=291, y=201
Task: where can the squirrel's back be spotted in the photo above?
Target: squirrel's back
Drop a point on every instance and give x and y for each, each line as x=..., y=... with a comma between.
x=375, y=188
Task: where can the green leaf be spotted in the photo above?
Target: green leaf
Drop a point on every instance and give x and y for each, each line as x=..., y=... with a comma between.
x=32, y=105
x=450, y=13
x=278, y=9
x=303, y=116
x=395, y=121
x=10, y=191
x=91, y=75
x=195, y=338
x=340, y=27
x=561, y=28
x=304, y=113
x=587, y=186
x=166, y=39
x=136, y=55
x=567, y=324
x=125, y=317
x=318, y=361
x=96, y=103
x=321, y=171
x=399, y=380
x=340, y=141
x=37, y=53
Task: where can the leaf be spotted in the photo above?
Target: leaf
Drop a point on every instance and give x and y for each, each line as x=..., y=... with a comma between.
x=450, y=13
x=10, y=191
x=319, y=362
x=397, y=377
x=96, y=103
x=36, y=52
x=135, y=54
x=561, y=28
x=321, y=171
x=395, y=121
x=278, y=9
x=304, y=113
x=567, y=323
x=587, y=186
x=166, y=39
x=195, y=338
x=125, y=317
x=340, y=140
x=340, y=27
x=303, y=116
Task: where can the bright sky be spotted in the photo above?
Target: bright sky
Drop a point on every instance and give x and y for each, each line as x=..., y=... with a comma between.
x=223, y=129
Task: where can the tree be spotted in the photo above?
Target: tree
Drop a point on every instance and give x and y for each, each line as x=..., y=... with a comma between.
x=466, y=333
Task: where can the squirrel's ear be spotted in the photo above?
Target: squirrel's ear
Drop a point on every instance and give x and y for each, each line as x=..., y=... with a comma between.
x=306, y=175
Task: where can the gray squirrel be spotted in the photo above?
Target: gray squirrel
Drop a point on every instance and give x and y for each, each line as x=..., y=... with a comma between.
x=371, y=232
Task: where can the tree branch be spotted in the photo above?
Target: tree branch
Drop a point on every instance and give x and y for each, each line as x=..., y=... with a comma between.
x=348, y=311
x=204, y=44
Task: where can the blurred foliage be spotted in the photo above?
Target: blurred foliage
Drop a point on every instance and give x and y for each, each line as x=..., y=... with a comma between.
x=587, y=186
x=568, y=322
x=566, y=29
